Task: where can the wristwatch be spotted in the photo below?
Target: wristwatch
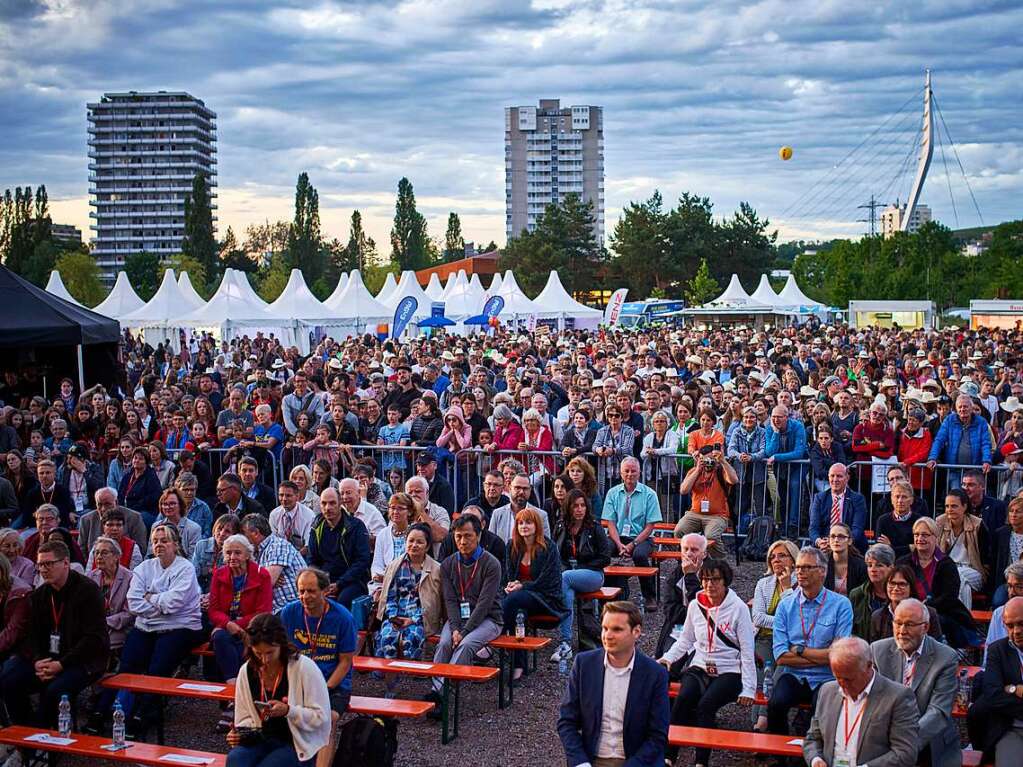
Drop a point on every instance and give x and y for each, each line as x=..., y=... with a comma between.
x=798, y=649
x=1011, y=689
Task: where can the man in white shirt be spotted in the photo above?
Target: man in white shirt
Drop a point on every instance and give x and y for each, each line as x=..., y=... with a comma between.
x=596, y=728
x=436, y=516
x=353, y=502
x=502, y=521
x=292, y=520
x=838, y=735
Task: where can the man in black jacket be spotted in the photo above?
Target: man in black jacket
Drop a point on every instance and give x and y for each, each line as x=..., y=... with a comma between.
x=996, y=719
x=248, y=472
x=231, y=499
x=491, y=498
x=68, y=641
x=684, y=585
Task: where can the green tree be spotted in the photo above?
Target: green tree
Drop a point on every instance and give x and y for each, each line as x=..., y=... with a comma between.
x=24, y=225
x=143, y=272
x=196, y=273
x=454, y=243
x=744, y=246
x=643, y=253
x=359, y=251
x=409, y=240
x=81, y=276
x=305, y=249
x=262, y=242
x=200, y=242
x=1005, y=255
x=692, y=235
x=274, y=280
x=702, y=287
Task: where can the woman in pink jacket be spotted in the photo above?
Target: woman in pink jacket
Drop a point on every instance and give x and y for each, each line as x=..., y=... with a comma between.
x=457, y=434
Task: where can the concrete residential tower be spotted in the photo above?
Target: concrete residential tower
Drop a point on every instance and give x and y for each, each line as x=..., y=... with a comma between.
x=144, y=152
x=550, y=151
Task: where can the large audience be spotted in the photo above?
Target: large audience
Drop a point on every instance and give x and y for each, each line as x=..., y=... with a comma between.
x=275, y=504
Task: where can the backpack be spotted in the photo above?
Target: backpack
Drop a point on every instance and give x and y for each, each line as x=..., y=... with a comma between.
x=759, y=537
x=367, y=741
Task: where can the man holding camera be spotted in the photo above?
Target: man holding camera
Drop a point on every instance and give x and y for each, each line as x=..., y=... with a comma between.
x=708, y=483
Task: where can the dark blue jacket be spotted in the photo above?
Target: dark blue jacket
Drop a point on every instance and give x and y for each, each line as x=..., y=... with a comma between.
x=342, y=551
x=647, y=713
x=141, y=495
x=854, y=514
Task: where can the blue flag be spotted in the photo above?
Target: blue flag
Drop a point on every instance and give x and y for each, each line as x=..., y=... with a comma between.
x=403, y=315
x=493, y=306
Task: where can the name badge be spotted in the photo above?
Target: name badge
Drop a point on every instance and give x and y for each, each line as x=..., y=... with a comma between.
x=705, y=506
x=841, y=760
x=712, y=669
x=573, y=564
x=464, y=610
x=55, y=644
x=627, y=530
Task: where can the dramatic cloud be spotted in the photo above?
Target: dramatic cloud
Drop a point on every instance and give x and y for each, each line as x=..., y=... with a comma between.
x=697, y=97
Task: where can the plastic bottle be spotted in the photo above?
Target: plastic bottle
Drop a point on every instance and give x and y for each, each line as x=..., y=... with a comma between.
x=520, y=625
x=64, y=717
x=963, y=690
x=118, y=733
x=768, y=678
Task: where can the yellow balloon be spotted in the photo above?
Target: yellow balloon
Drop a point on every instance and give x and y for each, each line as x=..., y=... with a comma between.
x=785, y=153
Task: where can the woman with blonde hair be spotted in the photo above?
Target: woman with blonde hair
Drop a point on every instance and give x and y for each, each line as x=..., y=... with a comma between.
x=302, y=476
x=584, y=478
x=776, y=583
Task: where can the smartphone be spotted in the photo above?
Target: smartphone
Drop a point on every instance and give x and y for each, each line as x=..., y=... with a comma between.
x=260, y=705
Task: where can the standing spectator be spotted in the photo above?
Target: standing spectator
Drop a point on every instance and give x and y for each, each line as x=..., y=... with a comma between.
x=747, y=449
x=632, y=510
x=963, y=439
x=785, y=445
x=915, y=442
x=613, y=444
x=301, y=400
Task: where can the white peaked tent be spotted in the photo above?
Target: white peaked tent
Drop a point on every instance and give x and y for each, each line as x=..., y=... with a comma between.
x=297, y=306
x=434, y=289
x=121, y=300
x=793, y=296
x=495, y=286
x=356, y=309
x=389, y=285
x=408, y=285
x=477, y=290
x=460, y=301
x=764, y=294
x=734, y=295
x=449, y=284
x=160, y=318
x=55, y=286
x=193, y=298
x=342, y=283
x=517, y=305
x=554, y=301
x=241, y=279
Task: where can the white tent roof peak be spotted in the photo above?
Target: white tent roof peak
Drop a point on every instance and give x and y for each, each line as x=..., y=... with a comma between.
x=121, y=300
x=408, y=285
x=765, y=294
x=230, y=302
x=342, y=283
x=389, y=285
x=356, y=302
x=191, y=296
x=167, y=304
x=241, y=279
x=55, y=286
x=495, y=285
x=792, y=295
x=433, y=288
x=555, y=299
x=297, y=302
x=734, y=295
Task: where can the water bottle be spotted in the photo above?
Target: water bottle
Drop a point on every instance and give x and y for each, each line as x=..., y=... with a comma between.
x=768, y=678
x=520, y=625
x=963, y=690
x=563, y=667
x=64, y=717
x=118, y=734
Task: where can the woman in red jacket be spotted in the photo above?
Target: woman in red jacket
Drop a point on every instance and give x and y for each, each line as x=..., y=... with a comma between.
x=508, y=433
x=914, y=447
x=239, y=590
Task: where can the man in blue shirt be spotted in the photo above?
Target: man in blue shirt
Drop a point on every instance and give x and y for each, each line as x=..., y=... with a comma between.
x=785, y=448
x=323, y=631
x=632, y=508
x=806, y=622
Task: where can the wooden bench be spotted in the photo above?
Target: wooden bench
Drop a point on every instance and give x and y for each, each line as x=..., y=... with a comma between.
x=452, y=675
x=981, y=616
x=91, y=747
x=506, y=644
x=629, y=571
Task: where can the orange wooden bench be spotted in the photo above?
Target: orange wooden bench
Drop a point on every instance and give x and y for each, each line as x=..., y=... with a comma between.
x=505, y=644
x=91, y=747
x=981, y=616
x=449, y=672
x=661, y=540
x=628, y=571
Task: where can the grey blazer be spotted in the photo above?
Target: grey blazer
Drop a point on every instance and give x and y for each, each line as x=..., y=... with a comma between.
x=90, y=527
x=934, y=684
x=888, y=729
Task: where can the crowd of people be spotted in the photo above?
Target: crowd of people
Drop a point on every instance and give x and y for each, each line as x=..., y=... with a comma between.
x=237, y=493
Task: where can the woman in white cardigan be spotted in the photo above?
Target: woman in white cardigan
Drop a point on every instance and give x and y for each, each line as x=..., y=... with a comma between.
x=719, y=632
x=281, y=703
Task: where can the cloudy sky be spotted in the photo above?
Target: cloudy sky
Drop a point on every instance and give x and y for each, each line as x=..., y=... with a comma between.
x=697, y=96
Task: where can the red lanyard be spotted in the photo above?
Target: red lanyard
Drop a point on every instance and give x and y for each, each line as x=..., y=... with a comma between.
x=267, y=695
x=816, y=615
x=847, y=731
x=132, y=479
x=462, y=586
x=309, y=635
x=712, y=621
x=56, y=613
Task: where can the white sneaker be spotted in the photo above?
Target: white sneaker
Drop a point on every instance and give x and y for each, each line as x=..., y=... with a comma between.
x=564, y=652
x=484, y=653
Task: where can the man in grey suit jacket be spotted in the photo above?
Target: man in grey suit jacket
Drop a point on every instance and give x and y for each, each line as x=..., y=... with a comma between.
x=861, y=717
x=930, y=670
x=90, y=525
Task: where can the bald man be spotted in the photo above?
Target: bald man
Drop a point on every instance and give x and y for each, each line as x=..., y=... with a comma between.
x=996, y=719
x=861, y=717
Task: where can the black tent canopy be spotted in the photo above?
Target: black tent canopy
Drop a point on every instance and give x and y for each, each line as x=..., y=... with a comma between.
x=37, y=322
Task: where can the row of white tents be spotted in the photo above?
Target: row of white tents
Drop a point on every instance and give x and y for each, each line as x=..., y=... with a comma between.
x=298, y=317
x=790, y=305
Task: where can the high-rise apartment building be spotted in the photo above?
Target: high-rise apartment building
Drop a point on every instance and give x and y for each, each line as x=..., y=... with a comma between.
x=892, y=218
x=144, y=152
x=550, y=151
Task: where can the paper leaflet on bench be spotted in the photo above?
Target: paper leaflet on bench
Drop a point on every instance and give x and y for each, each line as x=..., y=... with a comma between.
x=50, y=740
x=408, y=664
x=186, y=759
x=202, y=687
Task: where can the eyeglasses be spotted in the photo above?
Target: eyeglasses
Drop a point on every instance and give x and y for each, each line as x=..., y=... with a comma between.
x=838, y=537
x=908, y=624
x=898, y=585
x=711, y=579
x=807, y=568
x=46, y=564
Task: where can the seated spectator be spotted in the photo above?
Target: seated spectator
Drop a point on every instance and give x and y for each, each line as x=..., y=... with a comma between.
x=991, y=510
x=231, y=499
x=372, y=491
x=339, y=544
x=390, y=541
x=209, y=553
x=13, y=548
x=46, y=518
x=502, y=521
x=585, y=551
x=846, y=568
x=994, y=719
x=840, y=504
x=140, y=488
x=68, y=643
x=891, y=739
x=1013, y=582
x=632, y=509
x=719, y=632
x=82, y=478
x=899, y=586
x=683, y=591
x=560, y=485
x=292, y=520
x=196, y=509
x=490, y=542
x=895, y=527
x=172, y=512
x=963, y=538
x=1006, y=549
x=274, y=554
x=161, y=463
x=15, y=610
x=90, y=525
x=580, y=471
x=767, y=595
x=331, y=645
x=929, y=669
x=252, y=488
x=806, y=624
x=937, y=584
x=240, y=590
x=410, y=606
x=295, y=724
x=18, y=473
x=113, y=528
x=112, y=577
x=872, y=594
x=164, y=597
x=470, y=583
x=356, y=506
x=708, y=484
x=303, y=479
x=434, y=515
x=492, y=497
x=534, y=578
x=47, y=491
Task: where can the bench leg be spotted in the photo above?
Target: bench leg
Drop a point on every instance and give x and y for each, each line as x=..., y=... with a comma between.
x=449, y=712
x=161, y=711
x=500, y=681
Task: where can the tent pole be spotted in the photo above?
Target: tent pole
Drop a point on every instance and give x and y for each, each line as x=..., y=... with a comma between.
x=81, y=371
